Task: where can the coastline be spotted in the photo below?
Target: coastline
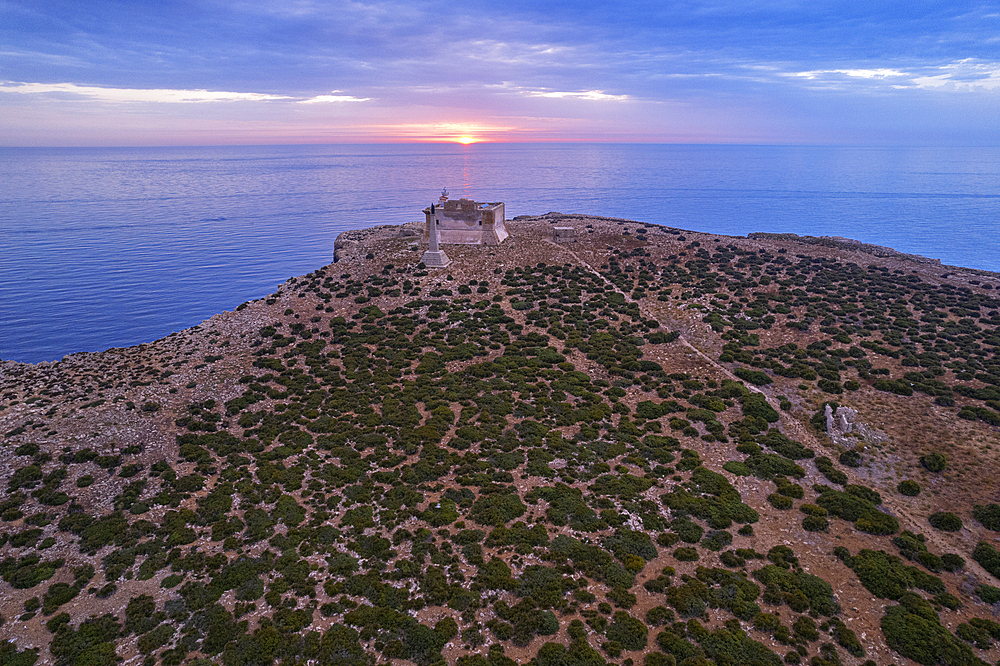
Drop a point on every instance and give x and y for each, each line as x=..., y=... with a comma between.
x=353, y=244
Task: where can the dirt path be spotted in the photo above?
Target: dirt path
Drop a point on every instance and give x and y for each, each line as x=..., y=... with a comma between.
x=705, y=357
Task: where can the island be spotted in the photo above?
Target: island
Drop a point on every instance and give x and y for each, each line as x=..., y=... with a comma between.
x=599, y=441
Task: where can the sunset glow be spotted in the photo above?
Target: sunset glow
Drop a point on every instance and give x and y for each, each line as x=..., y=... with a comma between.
x=565, y=72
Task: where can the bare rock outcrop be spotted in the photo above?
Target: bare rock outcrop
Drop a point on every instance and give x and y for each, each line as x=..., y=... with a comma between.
x=844, y=429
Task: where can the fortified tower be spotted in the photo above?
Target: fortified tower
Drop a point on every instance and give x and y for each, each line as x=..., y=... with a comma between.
x=466, y=222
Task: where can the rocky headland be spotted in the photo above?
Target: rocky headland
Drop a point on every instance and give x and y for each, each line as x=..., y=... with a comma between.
x=644, y=445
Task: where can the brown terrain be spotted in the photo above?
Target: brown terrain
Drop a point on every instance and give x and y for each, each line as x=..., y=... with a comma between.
x=132, y=408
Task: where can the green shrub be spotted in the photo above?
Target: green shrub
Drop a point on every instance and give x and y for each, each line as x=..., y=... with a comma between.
x=687, y=530
x=768, y=465
x=846, y=638
x=979, y=632
x=716, y=540
x=57, y=595
x=768, y=622
x=784, y=446
x=893, y=386
x=988, y=594
x=630, y=542
x=753, y=376
x=92, y=643
x=988, y=557
x=627, y=631
x=155, y=639
x=952, y=562
x=948, y=600
x=441, y=513
x=731, y=559
x=658, y=616
x=689, y=599
x=497, y=509
x=988, y=515
x=686, y=554
x=856, y=505
x=814, y=523
x=780, y=501
x=826, y=468
x=673, y=642
x=888, y=577
x=796, y=587
x=621, y=597
x=934, y=462
x=908, y=488
x=805, y=628
x=913, y=630
x=172, y=580
x=28, y=571
x=667, y=539
x=10, y=656
x=945, y=521
x=755, y=405
x=783, y=556
x=731, y=645
x=738, y=468
x=850, y=458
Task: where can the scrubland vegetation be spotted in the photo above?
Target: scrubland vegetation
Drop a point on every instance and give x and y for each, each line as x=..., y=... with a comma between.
x=460, y=471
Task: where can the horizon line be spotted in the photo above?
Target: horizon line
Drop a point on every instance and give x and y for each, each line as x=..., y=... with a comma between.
x=471, y=144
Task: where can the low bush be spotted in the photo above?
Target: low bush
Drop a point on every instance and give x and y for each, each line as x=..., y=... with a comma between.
x=716, y=540
x=658, y=616
x=913, y=630
x=738, y=468
x=686, y=554
x=856, y=505
x=753, y=376
x=780, y=501
x=798, y=589
x=988, y=557
x=934, y=462
x=945, y=521
x=815, y=524
x=888, y=577
x=627, y=631
x=988, y=594
x=850, y=458
x=826, y=468
x=988, y=516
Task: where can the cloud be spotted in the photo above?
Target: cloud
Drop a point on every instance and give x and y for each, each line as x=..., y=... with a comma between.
x=590, y=95
x=967, y=75
x=123, y=95
x=963, y=76
x=333, y=97
x=854, y=73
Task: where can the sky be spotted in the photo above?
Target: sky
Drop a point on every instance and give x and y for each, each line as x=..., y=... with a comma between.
x=211, y=72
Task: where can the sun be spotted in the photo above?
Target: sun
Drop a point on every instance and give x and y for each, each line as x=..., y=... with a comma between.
x=466, y=140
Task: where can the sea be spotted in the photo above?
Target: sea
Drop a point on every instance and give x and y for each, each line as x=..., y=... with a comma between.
x=112, y=247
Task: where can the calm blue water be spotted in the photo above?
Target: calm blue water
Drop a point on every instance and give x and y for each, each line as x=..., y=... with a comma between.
x=112, y=247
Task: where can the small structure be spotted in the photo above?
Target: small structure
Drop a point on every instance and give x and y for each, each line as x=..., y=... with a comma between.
x=434, y=257
x=564, y=234
x=466, y=222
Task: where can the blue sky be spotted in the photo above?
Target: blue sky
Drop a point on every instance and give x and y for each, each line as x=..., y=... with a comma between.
x=98, y=72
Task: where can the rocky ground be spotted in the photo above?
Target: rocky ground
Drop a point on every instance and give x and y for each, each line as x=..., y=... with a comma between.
x=455, y=413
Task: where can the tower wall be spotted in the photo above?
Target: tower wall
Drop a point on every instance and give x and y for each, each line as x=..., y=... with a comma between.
x=466, y=222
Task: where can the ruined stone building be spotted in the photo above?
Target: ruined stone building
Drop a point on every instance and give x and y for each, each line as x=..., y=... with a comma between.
x=466, y=222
